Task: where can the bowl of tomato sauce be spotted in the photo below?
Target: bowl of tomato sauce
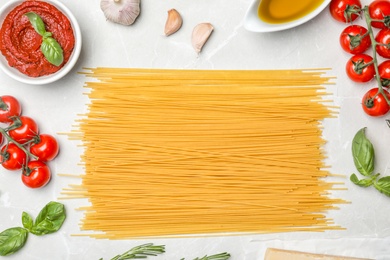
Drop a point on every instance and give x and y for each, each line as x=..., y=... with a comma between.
x=40, y=41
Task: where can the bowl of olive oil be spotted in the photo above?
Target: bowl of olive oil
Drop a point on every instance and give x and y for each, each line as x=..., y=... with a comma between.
x=277, y=15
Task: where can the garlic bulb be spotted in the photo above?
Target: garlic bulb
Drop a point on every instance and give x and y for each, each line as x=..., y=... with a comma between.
x=200, y=35
x=173, y=23
x=121, y=11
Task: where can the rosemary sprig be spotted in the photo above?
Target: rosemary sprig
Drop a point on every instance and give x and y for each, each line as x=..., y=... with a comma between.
x=140, y=252
x=221, y=256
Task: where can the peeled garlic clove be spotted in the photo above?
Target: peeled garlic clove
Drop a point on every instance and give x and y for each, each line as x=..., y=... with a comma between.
x=121, y=11
x=173, y=23
x=200, y=35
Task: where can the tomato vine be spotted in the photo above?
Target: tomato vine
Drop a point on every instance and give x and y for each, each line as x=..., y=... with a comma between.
x=25, y=149
x=356, y=39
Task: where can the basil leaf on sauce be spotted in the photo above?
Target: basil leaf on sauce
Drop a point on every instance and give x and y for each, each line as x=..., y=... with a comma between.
x=12, y=239
x=49, y=219
x=52, y=51
x=363, y=153
x=36, y=22
x=50, y=48
x=383, y=185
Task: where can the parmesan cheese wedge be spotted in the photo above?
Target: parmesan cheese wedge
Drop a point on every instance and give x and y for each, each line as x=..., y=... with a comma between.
x=279, y=254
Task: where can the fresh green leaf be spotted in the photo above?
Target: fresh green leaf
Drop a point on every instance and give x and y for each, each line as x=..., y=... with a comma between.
x=27, y=221
x=50, y=219
x=383, y=185
x=52, y=51
x=142, y=251
x=50, y=48
x=363, y=153
x=12, y=239
x=47, y=35
x=36, y=22
x=363, y=182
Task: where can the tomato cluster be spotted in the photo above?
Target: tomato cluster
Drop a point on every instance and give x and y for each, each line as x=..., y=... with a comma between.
x=356, y=40
x=25, y=148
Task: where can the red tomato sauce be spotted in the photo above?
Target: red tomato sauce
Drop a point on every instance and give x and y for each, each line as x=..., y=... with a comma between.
x=20, y=43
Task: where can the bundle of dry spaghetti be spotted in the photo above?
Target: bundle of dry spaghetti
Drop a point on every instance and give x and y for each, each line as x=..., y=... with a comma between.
x=191, y=152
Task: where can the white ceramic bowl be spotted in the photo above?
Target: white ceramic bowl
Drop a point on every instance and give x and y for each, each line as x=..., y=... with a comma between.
x=253, y=23
x=17, y=75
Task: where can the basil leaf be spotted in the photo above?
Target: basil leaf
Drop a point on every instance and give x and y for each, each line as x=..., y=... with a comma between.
x=363, y=153
x=363, y=182
x=52, y=51
x=12, y=239
x=27, y=221
x=36, y=22
x=47, y=35
x=50, y=219
x=383, y=185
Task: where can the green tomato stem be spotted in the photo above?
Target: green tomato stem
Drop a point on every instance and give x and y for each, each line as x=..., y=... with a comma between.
x=10, y=139
x=374, y=57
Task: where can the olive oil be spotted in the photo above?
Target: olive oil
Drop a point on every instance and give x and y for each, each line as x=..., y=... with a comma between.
x=283, y=11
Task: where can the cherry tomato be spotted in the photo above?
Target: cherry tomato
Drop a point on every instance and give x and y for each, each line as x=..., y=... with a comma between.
x=12, y=157
x=374, y=103
x=9, y=107
x=384, y=72
x=379, y=10
x=345, y=11
x=360, y=68
x=45, y=147
x=36, y=175
x=26, y=131
x=355, y=39
x=383, y=38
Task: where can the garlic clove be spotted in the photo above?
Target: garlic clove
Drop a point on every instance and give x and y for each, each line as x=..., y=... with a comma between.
x=173, y=23
x=121, y=11
x=200, y=35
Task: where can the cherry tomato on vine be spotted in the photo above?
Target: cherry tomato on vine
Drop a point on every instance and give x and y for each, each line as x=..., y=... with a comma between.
x=374, y=103
x=360, y=68
x=355, y=39
x=379, y=10
x=383, y=38
x=384, y=73
x=36, y=175
x=26, y=131
x=12, y=157
x=9, y=107
x=345, y=11
x=45, y=147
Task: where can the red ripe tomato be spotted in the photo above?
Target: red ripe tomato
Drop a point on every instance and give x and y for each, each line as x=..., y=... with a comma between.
x=36, y=175
x=355, y=39
x=360, y=68
x=345, y=11
x=374, y=103
x=12, y=157
x=45, y=147
x=379, y=10
x=383, y=38
x=384, y=73
x=26, y=131
x=9, y=107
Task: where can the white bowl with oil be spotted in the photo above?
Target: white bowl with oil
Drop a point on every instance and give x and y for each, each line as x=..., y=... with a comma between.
x=282, y=21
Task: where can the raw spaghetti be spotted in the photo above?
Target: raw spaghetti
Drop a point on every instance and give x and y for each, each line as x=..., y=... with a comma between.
x=191, y=152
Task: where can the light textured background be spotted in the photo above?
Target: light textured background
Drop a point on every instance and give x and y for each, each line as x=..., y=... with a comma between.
x=143, y=45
